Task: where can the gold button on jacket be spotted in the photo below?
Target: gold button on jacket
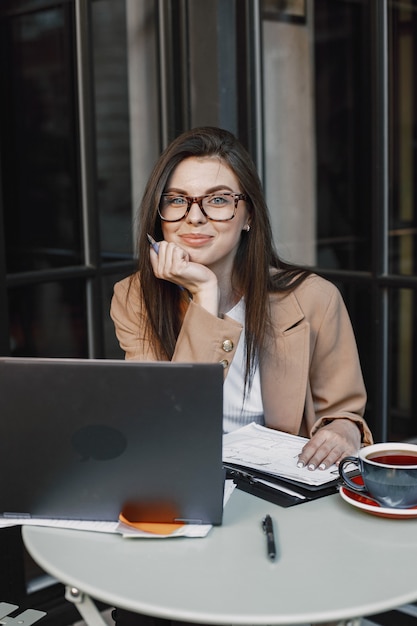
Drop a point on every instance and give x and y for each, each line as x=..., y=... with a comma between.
x=227, y=345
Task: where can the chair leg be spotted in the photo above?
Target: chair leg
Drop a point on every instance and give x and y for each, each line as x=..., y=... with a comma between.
x=26, y=618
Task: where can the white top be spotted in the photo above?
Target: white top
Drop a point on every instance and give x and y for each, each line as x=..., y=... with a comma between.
x=240, y=410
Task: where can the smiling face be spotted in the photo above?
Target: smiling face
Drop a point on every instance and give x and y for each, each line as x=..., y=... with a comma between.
x=210, y=243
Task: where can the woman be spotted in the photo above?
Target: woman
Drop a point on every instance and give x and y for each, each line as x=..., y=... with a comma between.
x=212, y=289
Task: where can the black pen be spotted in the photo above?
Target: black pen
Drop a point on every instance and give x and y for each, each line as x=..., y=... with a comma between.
x=268, y=528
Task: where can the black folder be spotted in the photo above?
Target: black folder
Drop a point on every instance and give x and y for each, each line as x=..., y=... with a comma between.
x=273, y=488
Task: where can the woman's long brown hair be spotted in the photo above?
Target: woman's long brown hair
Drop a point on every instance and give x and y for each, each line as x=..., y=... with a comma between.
x=251, y=278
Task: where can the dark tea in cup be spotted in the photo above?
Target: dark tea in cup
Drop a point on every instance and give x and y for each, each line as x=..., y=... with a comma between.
x=395, y=459
x=389, y=473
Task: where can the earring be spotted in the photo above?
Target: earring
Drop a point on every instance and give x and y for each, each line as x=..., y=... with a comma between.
x=246, y=227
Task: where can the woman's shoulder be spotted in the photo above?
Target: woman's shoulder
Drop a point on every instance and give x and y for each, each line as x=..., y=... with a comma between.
x=126, y=292
x=312, y=296
x=127, y=283
x=317, y=297
x=311, y=283
x=315, y=284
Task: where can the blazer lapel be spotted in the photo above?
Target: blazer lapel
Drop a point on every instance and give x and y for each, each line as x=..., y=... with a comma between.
x=284, y=367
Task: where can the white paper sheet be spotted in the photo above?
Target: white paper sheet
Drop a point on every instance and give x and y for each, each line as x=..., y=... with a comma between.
x=188, y=530
x=274, y=452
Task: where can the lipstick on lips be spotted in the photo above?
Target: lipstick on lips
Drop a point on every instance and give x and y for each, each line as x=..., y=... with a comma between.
x=195, y=239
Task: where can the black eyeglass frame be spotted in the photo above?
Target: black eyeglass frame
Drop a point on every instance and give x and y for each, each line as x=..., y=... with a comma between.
x=199, y=200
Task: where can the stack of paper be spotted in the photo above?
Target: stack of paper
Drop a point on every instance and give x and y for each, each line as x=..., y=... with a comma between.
x=272, y=452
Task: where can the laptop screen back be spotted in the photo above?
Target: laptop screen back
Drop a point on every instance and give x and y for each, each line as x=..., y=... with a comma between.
x=89, y=439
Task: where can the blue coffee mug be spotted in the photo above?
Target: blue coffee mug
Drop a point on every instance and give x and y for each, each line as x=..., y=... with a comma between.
x=389, y=473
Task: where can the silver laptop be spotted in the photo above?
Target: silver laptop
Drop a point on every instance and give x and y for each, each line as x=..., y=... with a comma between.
x=89, y=439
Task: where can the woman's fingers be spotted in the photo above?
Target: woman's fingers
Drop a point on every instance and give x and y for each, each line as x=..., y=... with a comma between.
x=330, y=444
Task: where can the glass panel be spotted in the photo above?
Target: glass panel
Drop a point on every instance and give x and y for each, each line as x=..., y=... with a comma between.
x=343, y=134
x=289, y=140
x=317, y=144
x=39, y=169
x=403, y=110
x=49, y=320
x=403, y=364
x=112, y=128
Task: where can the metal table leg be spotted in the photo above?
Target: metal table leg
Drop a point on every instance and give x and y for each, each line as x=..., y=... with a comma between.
x=86, y=607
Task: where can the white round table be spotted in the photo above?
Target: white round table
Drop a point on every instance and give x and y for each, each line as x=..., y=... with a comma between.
x=334, y=562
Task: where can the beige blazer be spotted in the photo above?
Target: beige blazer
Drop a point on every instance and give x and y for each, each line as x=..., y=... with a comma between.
x=310, y=370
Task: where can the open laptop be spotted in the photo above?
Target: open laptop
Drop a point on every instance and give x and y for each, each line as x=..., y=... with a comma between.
x=89, y=439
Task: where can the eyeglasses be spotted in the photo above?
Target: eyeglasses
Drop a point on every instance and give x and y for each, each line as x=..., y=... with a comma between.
x=218, y=207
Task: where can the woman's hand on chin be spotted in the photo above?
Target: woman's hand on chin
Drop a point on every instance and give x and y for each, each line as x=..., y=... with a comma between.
x=173, y=263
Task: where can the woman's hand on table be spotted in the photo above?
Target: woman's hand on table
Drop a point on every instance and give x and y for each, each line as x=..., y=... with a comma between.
x=330, y=444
